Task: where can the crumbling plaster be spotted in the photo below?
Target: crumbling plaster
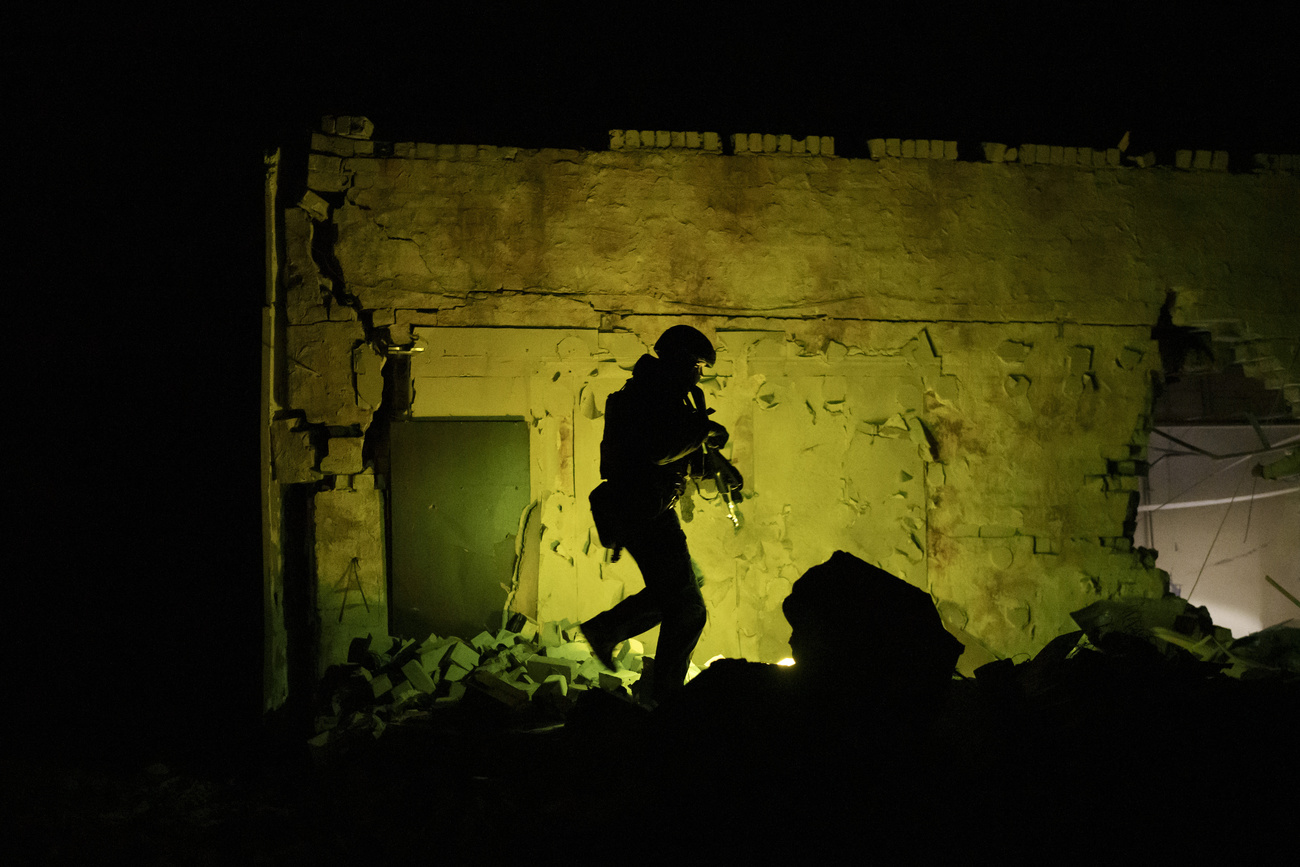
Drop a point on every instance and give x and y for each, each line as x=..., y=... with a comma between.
x=942, y=366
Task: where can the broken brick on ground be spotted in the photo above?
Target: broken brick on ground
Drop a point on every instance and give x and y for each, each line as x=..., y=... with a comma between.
x=536, y=674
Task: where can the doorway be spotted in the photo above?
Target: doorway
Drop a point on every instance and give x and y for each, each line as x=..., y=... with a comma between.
x=458, y=488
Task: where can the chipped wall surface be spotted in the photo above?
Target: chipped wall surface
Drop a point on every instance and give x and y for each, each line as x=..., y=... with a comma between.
x=351, y=585
x=943, y=367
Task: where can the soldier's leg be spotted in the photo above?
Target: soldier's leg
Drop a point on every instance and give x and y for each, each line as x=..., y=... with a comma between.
x=666, y=565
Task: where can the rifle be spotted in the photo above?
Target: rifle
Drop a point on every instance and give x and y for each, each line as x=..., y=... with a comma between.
x=724, y=474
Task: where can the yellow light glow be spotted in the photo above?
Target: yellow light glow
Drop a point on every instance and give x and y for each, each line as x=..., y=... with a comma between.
x=786, y=661
x=711, y=661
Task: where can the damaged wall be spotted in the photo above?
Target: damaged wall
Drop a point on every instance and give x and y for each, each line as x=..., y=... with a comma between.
x=942, y=366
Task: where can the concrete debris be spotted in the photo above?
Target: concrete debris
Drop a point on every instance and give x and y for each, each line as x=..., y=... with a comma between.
x=1185, y=634
x=538, y=668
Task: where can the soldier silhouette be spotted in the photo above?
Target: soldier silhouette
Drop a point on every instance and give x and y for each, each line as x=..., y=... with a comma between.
x=656, y=431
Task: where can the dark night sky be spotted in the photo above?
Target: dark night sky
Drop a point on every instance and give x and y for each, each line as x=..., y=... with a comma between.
x=135, y=184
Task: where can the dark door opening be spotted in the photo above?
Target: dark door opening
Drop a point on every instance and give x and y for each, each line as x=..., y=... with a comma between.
x=458, y=489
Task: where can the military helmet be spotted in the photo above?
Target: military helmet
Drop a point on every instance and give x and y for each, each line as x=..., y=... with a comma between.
x=683, y=341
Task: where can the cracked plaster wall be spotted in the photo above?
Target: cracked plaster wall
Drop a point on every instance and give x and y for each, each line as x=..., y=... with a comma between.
x=944, y=367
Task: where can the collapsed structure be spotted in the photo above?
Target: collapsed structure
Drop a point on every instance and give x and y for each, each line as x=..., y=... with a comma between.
x=943, y=365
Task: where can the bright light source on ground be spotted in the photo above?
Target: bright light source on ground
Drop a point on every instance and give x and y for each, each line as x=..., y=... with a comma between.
x=786, y=661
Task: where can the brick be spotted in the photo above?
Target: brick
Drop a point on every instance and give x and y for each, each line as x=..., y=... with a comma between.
x=1043, y=154
x=712, y=142
x=1183, y=159
x=994, y=152
x=1028, y=154
x=1219, y=162
x=507, y=692
x=433, y=649
x=783, y=144
x=617, y=681
x=679, y=139
x=432, y=658
x=555, y=684
x=418, y=677
x=1112, y=156
x=936, y=148
x=755, y=143
x=615, y=139
x=828, y=145
x=343, y=456
x=314, y=205
x=519, y=654
x=692, y=139
x=455, y=692
x=329, y=144
x=739, y=143
x=575, y=650
x=950, y=150
x=541, y=667
x=814, y=144
x=769, y=143
x=353, y=126
x=463, y=655
x=589, y=670
x=909, y=149
x=893, y=147
x=922, y=149
x=529, y=631
x=402, y=691
x=403, y=652
x=632, y=138
x=1056, y=155
x=662, y=138
x=325, y=173
x=455, y=672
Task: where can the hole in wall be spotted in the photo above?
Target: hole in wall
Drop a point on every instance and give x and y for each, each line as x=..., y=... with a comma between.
x=1225, y=532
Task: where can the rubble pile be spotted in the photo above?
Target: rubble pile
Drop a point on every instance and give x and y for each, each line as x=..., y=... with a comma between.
x=1177, y=630
x=526, y=668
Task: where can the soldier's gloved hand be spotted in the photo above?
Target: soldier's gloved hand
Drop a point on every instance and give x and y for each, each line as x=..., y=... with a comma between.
x=716, y=436
x=728, y=478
